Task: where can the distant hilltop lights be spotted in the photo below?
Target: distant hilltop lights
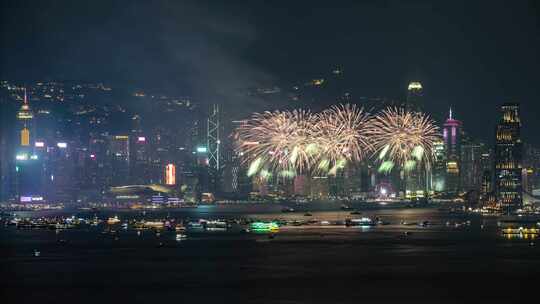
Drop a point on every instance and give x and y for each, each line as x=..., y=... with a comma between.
x=415, y=85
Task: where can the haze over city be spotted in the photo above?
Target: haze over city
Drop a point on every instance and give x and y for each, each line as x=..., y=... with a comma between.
x=264, y=152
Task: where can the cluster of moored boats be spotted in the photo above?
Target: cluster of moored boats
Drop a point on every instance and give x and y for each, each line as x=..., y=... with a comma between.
x=51, y=223
x=113, y=224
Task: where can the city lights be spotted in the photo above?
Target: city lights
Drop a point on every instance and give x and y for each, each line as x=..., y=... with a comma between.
x=21, y=157
x=299, y=152
x=170, y=174
x=264, y=227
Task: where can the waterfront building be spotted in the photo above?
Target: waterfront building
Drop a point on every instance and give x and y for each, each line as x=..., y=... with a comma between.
x=416, y=180
x=531, y=162
x=439, y=167
x=486, y=165
x=452, y=145
x=471, y=167
x=508, y=159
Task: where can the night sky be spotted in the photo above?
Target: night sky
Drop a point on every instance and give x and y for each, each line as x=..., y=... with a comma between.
x=472, y=55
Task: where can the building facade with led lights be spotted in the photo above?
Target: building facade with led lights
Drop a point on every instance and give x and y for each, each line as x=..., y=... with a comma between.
x=508, y=159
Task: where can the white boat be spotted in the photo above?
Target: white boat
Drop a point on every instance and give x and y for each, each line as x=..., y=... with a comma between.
x=216, y=226
x=113, y=220
x=361, y=222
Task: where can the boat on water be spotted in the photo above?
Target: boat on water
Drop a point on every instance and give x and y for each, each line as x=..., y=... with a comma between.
x=215, y=226
x=195, y=226
x=154, y=224
x=521, y=231
x=264, y=227
x=361, y=222
x=180, y=228
x=424, y=223
x=181, y=236
x=113, y=220
x=345, y=207
x=287, y=209
x=355, y=212
x=519, y=221
x=380, y=221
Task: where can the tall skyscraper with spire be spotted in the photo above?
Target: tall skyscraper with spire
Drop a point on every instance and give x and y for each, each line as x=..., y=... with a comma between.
x=452, y=145
x=28, y=165
x=25, y=118
x=508, y=159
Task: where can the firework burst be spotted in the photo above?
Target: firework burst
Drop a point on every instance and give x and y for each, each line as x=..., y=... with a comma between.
x=403, y=138
x=279, y=141
x=342, y=134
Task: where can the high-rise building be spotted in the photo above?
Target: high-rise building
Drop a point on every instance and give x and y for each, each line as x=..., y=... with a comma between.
x=26, y=127
x=140, y=171
x=170, y=175
x=28, y=166
x=508, y=159
x=439, y=167
x=471, y=167
x=415, y=180
x=97, y=169
x=140, y=160
x=531, y=162
x=214, y=147
x=120, y=156
x=61, y=172
x=7, y=149
x=452, y=145
x=415, y=96
x=486, y=165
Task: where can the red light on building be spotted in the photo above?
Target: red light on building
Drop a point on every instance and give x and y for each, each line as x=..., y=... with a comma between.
x=170, y=174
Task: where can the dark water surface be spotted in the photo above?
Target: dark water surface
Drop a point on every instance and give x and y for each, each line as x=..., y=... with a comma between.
x=440, y=263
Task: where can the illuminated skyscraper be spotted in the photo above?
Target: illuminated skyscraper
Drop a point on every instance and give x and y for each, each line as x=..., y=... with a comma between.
x=28, y=166
x=416, y=180
x=213, y=144
x=439, y=167
x=508, y=159
x=25, y=119
x=486, y=165
x=170, y=175
x=415, y=96
x=452, y=145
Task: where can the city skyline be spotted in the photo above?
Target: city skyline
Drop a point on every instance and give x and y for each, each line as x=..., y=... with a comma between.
x=198, y=161
x=192, y=151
